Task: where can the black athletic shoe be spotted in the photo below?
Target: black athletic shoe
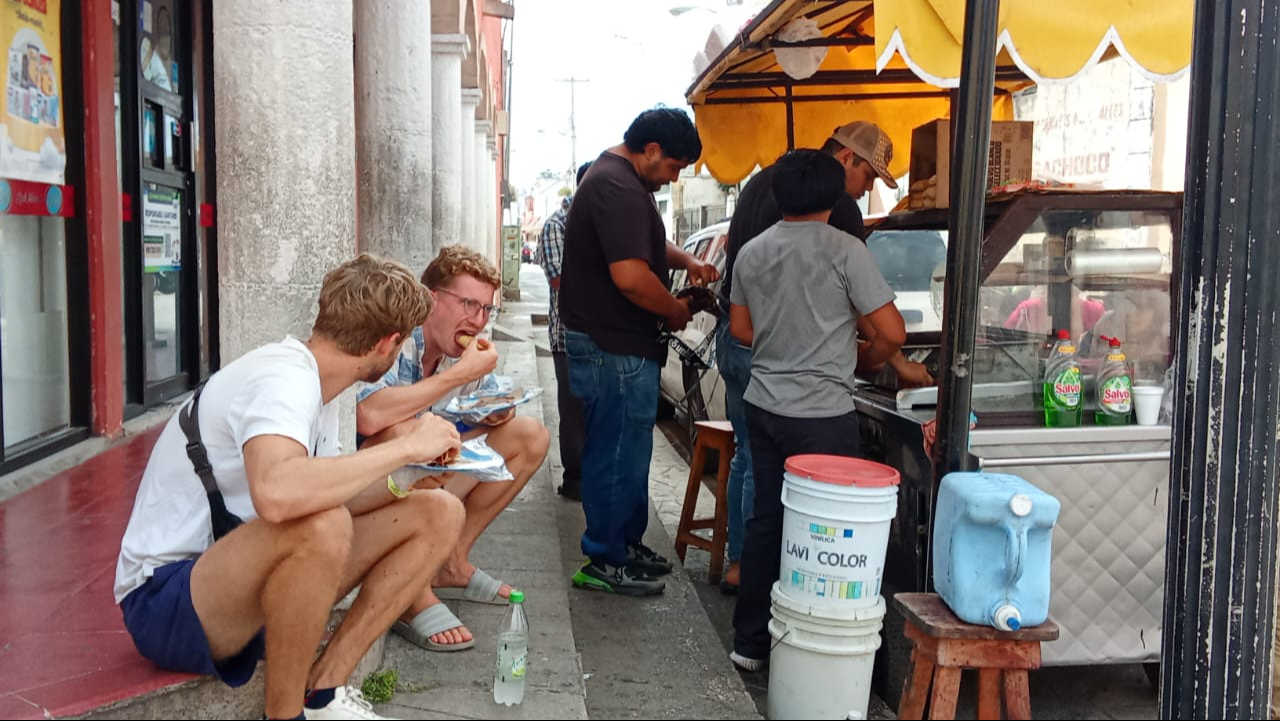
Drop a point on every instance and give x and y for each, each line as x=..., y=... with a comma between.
x=616, y=579
x=643, y=560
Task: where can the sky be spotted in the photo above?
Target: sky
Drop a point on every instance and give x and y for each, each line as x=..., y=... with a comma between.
x=633, y=55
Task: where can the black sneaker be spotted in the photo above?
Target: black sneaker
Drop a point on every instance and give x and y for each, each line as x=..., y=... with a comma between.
x=643, y=560
x=616, y=579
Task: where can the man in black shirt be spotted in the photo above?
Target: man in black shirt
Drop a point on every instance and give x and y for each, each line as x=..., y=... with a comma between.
x=614, y=300
x=864, y=151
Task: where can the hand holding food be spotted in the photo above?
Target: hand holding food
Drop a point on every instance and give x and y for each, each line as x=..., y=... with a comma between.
x=432, y=439
x=479, y=358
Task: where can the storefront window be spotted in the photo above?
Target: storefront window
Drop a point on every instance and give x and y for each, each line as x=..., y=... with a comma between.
x=33, y=327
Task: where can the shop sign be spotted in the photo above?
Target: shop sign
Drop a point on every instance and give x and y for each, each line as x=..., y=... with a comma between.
x=32, y=140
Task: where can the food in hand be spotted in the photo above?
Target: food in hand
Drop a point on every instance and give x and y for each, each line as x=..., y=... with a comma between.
x=465, y=340
x=448, y=457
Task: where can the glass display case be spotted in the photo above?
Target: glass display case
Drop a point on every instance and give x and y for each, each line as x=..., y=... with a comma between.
x=1097, y=264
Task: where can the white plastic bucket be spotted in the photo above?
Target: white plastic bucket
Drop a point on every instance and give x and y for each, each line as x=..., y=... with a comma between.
x=822, y=658
x=834, y=536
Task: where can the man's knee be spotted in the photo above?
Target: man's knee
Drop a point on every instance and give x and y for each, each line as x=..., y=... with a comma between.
x=440, y=513
x=326, y=535
x=532, y=437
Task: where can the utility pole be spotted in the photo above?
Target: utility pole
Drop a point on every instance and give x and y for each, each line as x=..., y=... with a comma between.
x=573, y=128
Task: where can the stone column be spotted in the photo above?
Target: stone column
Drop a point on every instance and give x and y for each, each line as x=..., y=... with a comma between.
x=491, y=204
x=470, y=101
x=447, y=53
x=393, y=126
x=482, y=186
x=286, y=163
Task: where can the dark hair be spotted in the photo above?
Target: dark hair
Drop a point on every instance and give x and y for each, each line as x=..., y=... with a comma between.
x=582, y=170
x=671, y=129
x=807, y=181
x=832, y=146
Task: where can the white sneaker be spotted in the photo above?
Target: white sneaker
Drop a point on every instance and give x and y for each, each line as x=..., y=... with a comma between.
x=347, y=703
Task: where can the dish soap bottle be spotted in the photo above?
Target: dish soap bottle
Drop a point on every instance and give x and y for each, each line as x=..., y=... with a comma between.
x=1063, y=387
x=1115, y=388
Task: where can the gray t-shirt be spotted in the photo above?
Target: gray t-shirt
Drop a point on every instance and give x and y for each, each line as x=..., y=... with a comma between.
x=805, y=285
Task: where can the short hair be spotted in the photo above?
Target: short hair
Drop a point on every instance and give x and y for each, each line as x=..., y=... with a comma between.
x=670, y=128
x=807, y=181
x=582, y=170
x=367, y=299
x=832, y=147
x=458, y=260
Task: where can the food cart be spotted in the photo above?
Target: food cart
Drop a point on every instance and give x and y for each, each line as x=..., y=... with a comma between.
x=887, y=63
x=1108, y=563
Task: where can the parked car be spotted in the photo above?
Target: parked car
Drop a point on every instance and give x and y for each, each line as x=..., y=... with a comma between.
x=906, y=258
x=529, y=252
x=698, y=393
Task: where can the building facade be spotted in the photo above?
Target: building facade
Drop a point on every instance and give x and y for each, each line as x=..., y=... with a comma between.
x=176, y=176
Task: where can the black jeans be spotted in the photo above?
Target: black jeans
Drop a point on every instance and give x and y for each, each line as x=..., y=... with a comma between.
x=572, y=428
x=774, y=439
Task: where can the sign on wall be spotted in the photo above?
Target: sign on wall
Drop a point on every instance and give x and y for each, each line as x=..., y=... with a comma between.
x=32, y=135
x=161, y=229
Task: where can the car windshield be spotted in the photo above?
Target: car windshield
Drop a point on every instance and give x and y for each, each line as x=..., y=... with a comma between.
x=907, y=257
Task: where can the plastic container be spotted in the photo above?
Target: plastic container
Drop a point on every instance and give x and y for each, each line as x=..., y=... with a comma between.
x=992, y=549
x=836, y=529
x=822, y=659
x=513, y=653
x=1115, y=388
x=1146, y=404
x=1063, y=388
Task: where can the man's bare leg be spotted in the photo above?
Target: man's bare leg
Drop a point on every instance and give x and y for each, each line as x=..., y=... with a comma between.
x=523, y=442
x=283, y=576
x=394, y=551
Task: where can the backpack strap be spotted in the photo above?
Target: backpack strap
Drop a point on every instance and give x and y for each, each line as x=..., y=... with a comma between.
x=224, y=521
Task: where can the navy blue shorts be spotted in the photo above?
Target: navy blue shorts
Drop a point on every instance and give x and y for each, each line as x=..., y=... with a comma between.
x=166, y=630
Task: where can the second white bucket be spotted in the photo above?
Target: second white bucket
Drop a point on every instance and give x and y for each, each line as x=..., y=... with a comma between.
x=836, y=529
x=822, y=658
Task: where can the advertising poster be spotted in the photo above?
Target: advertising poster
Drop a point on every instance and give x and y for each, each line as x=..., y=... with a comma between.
x=161, y=229
x=32, y=141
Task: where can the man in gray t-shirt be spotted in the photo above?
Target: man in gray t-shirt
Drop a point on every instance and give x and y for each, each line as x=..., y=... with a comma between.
x=803, y=293
x=806, y=284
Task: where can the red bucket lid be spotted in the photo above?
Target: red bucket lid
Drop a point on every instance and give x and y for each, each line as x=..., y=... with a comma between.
x=842, y=471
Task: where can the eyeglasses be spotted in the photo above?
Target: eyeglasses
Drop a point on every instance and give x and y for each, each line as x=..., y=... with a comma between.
x=474, y=307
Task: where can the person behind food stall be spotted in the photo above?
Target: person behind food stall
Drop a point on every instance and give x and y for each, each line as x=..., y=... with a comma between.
x=443, y=359
x=572, y=430
x=864, y=152
x=802, y=290
x=614, y=298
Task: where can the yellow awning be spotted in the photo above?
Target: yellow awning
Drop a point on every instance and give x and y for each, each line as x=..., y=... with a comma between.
x=1049, y=41
x=741, y=100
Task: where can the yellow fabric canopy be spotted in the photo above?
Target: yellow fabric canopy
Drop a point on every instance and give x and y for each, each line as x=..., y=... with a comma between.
x=1049, y=41
x=891, y=61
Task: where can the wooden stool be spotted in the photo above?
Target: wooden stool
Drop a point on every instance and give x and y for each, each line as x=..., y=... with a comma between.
x=717, y=435
x=943, y=645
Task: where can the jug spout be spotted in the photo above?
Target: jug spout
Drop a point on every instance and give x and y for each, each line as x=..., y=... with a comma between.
x=1007, y=618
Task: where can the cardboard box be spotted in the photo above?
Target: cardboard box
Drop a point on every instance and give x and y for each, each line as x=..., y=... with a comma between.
x=1009, y=159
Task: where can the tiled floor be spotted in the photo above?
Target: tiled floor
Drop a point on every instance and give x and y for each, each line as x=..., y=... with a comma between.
x=63, y=647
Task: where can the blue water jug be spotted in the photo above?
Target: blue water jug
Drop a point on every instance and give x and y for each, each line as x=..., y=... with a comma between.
x=992, y=548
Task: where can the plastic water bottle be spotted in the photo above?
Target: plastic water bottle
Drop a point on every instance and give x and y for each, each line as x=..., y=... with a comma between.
x=513, y=653
x=1063, y=385
x=1115, y=388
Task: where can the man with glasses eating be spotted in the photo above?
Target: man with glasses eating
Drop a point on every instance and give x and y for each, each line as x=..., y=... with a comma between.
x=446, y=358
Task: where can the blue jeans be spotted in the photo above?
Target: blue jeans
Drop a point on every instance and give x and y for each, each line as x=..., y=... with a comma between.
x=619, y=395
x=734, y=361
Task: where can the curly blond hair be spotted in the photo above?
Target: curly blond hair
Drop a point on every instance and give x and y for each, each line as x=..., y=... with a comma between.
x=456, y=260
x=367, y=299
